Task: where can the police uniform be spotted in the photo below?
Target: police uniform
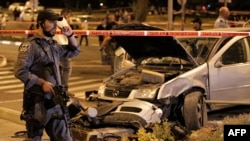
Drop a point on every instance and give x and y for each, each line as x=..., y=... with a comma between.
x=221, y=23
x=39, y=58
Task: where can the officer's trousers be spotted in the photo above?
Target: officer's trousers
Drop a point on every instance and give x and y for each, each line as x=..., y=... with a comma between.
x=56, y=128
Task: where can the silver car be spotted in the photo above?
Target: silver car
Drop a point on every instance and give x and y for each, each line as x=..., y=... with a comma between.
x=185, y=77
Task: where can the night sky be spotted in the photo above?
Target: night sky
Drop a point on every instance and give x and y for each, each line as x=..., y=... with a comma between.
x=82, y=4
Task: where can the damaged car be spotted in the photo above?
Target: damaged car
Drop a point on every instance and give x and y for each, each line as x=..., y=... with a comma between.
x=180, y=79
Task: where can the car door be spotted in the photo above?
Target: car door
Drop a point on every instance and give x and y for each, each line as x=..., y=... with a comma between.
x=229, y=71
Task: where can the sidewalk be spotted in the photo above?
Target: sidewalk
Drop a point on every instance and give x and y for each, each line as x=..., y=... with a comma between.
x=11, y=127
x=11, y=124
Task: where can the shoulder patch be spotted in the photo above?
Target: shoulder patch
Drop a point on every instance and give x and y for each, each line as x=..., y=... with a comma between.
x=24, y=47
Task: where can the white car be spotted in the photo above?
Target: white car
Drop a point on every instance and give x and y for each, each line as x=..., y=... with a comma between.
x=185, y=77
x=19, y=5
x=27, y=15
x=75, y=22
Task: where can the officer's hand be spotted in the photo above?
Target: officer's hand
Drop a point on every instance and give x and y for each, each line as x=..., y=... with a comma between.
x=48, y=87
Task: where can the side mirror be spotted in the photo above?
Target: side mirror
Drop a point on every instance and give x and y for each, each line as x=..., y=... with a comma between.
x=218, y=64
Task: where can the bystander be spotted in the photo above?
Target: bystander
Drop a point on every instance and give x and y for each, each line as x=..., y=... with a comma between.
x=109, y=45
x=102, y=26
x=197, y=24
x=84, y=26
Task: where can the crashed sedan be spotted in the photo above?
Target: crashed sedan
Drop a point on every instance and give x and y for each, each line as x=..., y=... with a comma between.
x=185, y=77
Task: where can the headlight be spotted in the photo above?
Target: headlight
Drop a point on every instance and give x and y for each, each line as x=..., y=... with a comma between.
x=145, y=93
x=101, y=90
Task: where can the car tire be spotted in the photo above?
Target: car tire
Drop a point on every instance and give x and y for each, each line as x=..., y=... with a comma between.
x=194, y=111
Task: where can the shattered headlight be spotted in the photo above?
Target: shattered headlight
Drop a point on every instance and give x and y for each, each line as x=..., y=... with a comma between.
x=148, y=93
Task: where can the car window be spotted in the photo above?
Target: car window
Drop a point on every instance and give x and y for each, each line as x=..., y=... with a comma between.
x=235, y=54
x=224, y=42
x=199, y=48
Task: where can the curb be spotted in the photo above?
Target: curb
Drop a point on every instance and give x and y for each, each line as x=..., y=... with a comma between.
x=11, y=115
x=3, y=61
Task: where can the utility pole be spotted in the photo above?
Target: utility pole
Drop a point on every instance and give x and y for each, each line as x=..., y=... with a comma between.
x=170, y=14
x=225, y=3
x=183, y=13
x=34, y=4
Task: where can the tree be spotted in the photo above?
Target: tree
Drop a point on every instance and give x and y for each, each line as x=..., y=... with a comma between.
x=140, y=9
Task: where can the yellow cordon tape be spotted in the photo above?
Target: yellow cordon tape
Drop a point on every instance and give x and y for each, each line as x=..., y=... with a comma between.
x=138, y=33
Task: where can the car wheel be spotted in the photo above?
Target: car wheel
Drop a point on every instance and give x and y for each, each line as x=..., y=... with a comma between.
x=194, y=111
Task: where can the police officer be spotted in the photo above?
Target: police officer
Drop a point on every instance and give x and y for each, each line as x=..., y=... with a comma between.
x=37, y=66
x=221, y=21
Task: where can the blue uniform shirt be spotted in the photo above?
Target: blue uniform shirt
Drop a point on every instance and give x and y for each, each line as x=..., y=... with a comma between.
x=37, y=57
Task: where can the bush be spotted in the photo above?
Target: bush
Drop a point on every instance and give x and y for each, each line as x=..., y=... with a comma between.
x=162, y=132
x=216, y=133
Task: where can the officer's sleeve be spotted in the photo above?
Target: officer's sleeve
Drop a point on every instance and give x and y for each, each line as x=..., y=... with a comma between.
x=69, y=51
x=23, y=63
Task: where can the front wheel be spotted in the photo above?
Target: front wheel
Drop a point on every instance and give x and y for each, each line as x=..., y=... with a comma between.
x=194, y=111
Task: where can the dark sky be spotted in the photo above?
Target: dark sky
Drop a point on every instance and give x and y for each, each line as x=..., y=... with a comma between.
x=82, y=4
x=70, y=3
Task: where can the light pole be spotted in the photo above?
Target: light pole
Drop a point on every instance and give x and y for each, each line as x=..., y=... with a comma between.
x=225, y=3
x=34, y=4
x=170, y=14
x=183, y=13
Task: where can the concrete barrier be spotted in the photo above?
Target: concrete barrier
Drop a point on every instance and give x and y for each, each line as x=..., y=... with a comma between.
x=3, y=61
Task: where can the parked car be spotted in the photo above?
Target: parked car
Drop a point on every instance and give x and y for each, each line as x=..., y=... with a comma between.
x=185, y=77
x=28, y=15
x=5, y=14
x=19, y=5
x=75, y=22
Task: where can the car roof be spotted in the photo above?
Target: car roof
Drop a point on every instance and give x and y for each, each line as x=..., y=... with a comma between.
x=233, y=29
x=236, y=29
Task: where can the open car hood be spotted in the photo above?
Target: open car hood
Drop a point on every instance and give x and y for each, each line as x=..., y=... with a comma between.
x=141, y=47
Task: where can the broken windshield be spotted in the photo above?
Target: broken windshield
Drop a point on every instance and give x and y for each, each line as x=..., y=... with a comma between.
x=199, y=48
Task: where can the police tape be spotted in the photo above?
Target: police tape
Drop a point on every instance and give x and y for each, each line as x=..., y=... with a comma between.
x=138, y=33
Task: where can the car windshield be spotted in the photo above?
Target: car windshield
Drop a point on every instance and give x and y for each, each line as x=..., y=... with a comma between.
x=199, y=47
